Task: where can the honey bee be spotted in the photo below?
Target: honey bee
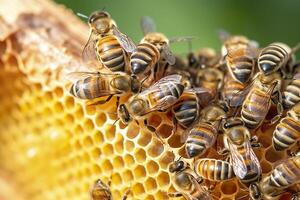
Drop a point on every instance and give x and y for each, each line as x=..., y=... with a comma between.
x=101, y=191
x=264, y=91
x=106, y=43
x=241, y=63
x=287, y=132
x=274, y=57
x=186, y=110
x=291, y=94
x=230, y=91
x=210, y=78
x=281, y=178
x=186, y=183
x=92, y=85
x=238, y=143
x=203, y=58
x=214, y=170
x=153, y=49
x=160, y=96
x=204, y=133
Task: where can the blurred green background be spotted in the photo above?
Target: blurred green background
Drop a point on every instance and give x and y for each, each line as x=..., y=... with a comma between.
x=265, y=21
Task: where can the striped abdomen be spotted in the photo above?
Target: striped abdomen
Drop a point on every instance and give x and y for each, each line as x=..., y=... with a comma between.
x=201, y=137
x=144, y=58
x=286, y=174
x=273, y=57
x=253, y=170
x=214, y=170
x=255, y=108
x=291, y=95
x=286, y=134
x=111, y=54
x=90, y=88
x=231, y=92
x=186, y=109
x=240, y=64
x=170, y=89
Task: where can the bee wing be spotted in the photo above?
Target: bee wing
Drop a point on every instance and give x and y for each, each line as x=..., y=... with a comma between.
x=223, y=35
x=125, y=41
x=148, y=25
x=238, y=163
x=204, y=95
x=168, y=55
x=255, y=165
x=89, y=51
x=201, y=189
x=181, y=39
x=76, y=76
x=296, y=76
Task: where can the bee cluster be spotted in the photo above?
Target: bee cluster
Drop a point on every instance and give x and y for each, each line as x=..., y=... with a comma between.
x=208, y=95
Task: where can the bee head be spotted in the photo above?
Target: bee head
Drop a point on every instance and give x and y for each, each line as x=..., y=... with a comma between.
x=178, y=166
x=124, y=114
x=157, y=39
x=135, y=84
x=101, y=22
x=192, y=60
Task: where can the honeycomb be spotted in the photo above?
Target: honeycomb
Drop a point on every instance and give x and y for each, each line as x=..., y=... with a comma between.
x=54, y=146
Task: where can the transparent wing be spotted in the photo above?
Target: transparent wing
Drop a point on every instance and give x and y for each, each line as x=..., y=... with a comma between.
x=148, y=25
x=125, y=41
x=204, y=194
x=238, y=163
x=296, y=76
x=168, y=55
x=204, y=95
x=255, y=165
x=181, y=39
x=76, y=76
x=223, y=35
x=164, y=103
x=89, y=51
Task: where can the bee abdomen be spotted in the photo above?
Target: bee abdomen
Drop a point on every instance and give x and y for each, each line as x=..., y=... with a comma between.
x=186, y=112
x=89, y=88
x=272, y=58
x=111, y=54
x=242, y=68
x=214, y=170
x=286, y=134
x=143, y=57
x=200, y=139
x=291, y=95
x=254, y=109
x=286, y=174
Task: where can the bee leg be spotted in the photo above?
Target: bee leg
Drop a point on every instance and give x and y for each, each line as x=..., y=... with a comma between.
x=223, y=152
x=175, y=194
x=152, y=129
x=126, y=194
x=254, y=142
x=278, y=116
x=118, y=101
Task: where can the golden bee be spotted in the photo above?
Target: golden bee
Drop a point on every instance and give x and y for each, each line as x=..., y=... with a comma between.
x=160, y=96
x=186, y=183
x=92, y=85
x=210, y=78
x=241, y=63
x=274, y=57
x=186, y=110
x=204, y=133
x=101, y=191
x=281, y=178
x=238, y=144
x=287, y=132
x=214, y=170
x=291, y=94
x=106, y=43
x=153, y=49
x=230, y=91
x=264, y=91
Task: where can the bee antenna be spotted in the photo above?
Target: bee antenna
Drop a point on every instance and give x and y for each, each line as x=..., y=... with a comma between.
x=116, y=121
x=103, y=8
x=82, y=15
